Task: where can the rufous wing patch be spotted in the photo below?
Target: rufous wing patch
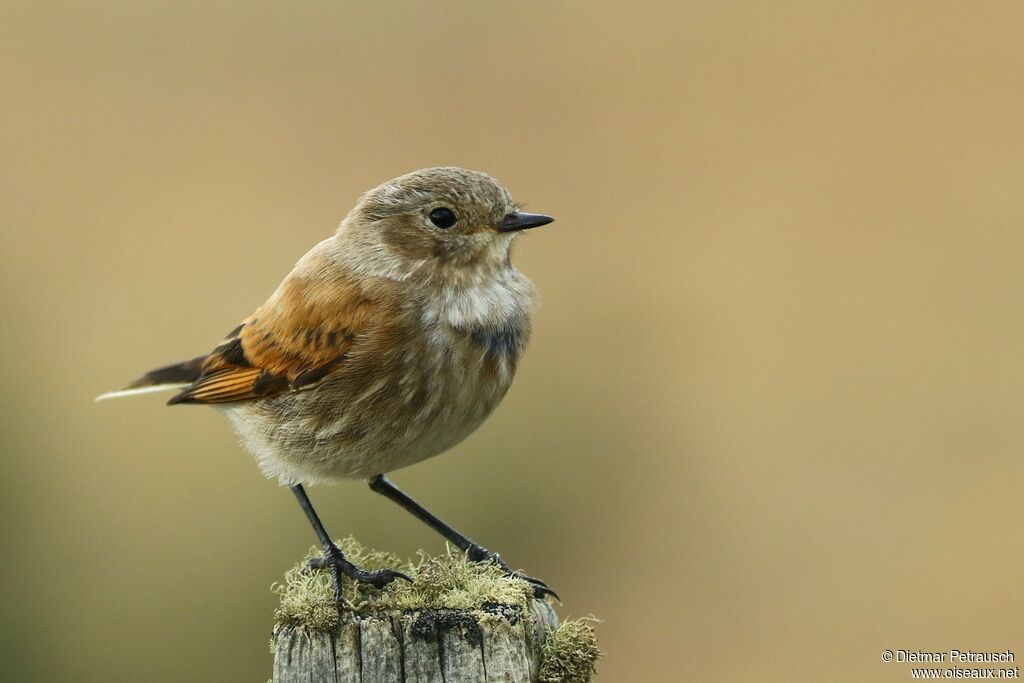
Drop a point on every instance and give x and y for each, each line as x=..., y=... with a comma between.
x=291, y=343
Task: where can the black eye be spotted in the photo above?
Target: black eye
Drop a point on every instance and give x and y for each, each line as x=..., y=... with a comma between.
x=443, y=218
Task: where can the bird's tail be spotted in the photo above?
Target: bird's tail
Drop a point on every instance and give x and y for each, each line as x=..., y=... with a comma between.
x=174, y=376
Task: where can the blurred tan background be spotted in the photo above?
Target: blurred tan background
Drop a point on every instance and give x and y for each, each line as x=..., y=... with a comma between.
x=771, y=420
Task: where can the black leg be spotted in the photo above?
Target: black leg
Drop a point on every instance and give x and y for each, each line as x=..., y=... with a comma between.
x=314, y=519
x=474, y=551
x=334, y=559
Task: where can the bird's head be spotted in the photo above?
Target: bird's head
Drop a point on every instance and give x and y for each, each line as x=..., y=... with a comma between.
x=445, y=218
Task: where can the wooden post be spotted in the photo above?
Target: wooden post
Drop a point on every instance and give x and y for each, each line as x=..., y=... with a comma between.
x=425, y=646
x=458, y=621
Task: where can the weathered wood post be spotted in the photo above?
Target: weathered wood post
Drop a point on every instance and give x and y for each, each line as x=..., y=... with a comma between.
x=458, y=622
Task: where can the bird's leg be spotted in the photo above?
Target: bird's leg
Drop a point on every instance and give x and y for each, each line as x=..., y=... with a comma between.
x=334, y=559
x=474, y=551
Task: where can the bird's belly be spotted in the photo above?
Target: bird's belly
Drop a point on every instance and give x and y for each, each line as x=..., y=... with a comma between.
x=394, y=418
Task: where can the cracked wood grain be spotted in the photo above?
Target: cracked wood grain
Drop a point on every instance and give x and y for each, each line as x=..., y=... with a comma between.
x=423, y=646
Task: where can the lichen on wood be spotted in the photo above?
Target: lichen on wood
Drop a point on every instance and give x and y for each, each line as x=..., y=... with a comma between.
x=570, y=653
x=457, y=621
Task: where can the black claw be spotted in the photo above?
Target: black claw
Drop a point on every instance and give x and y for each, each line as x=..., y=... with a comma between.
x=535, y=582
x=380, y=578
x=334, y=561
x=540, y=589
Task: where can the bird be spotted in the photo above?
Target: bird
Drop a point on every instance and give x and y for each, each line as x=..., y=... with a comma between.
x=388, y=343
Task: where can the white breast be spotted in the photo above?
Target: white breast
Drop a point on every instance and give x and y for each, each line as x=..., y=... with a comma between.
x=491, y=302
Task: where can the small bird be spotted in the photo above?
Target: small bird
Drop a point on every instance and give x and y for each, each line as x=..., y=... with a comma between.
x=388, y=343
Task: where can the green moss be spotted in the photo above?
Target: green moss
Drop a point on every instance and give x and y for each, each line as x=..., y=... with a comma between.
x=570, y=653
x=445, y=582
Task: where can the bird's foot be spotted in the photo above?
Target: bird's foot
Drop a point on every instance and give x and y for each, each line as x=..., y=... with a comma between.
x=478, y=553
x=335, y=562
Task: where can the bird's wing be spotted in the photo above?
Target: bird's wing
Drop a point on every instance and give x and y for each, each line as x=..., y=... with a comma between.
x=305, y=331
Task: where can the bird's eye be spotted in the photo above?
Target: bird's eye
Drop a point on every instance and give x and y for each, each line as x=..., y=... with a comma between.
x=443, y=218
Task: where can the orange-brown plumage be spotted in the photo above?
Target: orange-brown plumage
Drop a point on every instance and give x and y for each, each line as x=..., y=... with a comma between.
x=290, y=342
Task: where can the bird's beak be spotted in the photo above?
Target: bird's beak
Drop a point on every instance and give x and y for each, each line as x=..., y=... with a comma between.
x=522, y=221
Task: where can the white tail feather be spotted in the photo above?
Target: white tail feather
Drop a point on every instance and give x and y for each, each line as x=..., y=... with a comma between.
x=140, y=390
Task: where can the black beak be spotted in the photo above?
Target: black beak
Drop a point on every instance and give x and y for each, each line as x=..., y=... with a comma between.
x=522, y=221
